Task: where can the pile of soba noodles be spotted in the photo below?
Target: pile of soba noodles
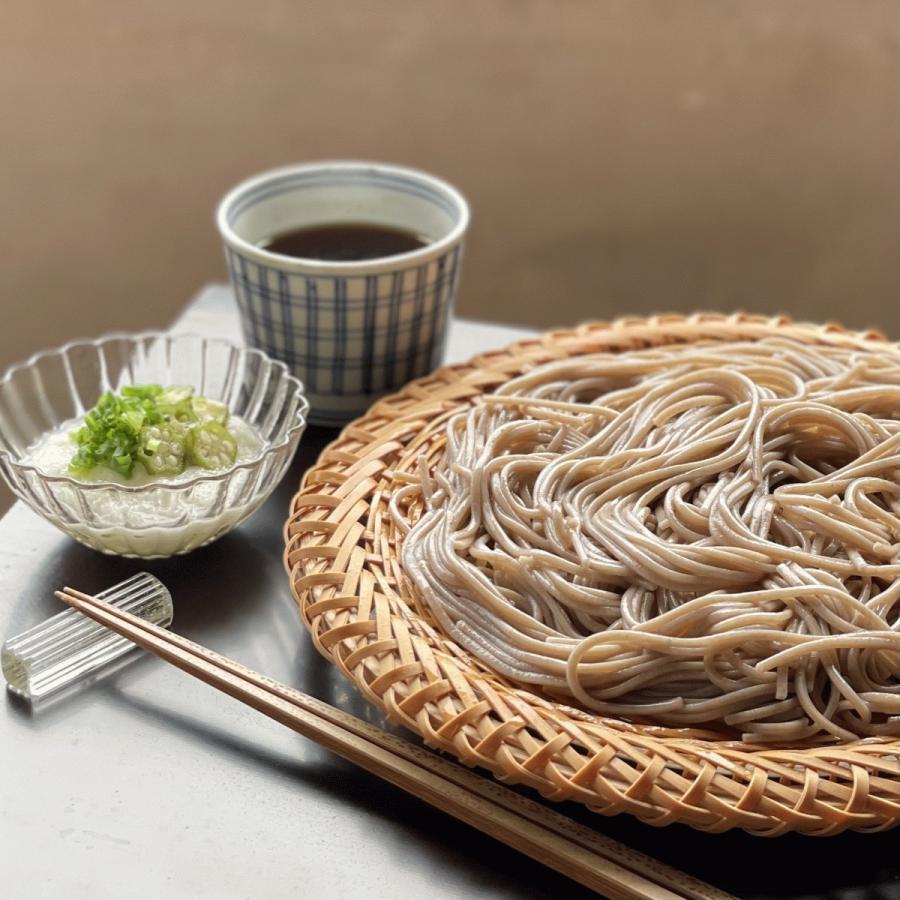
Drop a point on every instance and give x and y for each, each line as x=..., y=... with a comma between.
x=694, y=534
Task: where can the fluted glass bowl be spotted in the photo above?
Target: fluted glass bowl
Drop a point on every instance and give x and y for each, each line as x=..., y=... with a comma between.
x=155, y=520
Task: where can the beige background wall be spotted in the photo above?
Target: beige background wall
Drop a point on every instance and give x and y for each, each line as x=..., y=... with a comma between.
x=620, y=155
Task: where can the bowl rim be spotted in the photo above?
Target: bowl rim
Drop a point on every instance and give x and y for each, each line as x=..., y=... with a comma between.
x=298, y=425
x=309, y=265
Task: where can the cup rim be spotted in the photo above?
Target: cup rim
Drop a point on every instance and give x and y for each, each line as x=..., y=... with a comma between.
x=342, y=267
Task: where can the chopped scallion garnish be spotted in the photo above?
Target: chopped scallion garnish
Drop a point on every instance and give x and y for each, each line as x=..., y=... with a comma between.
x=163, y=429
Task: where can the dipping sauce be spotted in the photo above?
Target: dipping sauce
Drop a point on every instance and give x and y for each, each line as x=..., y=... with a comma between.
x=347, y=242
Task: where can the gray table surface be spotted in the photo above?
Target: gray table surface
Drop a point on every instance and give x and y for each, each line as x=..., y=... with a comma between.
x=149, y=784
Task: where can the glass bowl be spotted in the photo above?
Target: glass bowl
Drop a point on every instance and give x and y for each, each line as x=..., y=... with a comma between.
x=53, y=388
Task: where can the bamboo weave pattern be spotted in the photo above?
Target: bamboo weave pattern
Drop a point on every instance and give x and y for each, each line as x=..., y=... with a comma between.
x=342, y=553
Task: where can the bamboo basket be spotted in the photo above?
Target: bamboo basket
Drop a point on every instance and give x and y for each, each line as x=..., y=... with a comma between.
x=342, y=558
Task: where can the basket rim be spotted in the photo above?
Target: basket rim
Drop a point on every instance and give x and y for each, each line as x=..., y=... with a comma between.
x=340, y=569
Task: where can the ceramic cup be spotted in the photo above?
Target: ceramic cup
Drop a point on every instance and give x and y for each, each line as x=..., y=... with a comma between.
x=351, y=331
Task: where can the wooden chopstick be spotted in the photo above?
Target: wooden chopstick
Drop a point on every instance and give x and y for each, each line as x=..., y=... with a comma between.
x=582, y=854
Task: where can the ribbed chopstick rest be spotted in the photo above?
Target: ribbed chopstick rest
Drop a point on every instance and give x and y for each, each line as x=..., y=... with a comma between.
x=69, y=647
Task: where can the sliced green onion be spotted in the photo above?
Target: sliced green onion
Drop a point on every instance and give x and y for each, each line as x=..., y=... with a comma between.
x=163, y=429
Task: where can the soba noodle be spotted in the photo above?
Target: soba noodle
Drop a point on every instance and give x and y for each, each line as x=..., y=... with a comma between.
x=692, y=534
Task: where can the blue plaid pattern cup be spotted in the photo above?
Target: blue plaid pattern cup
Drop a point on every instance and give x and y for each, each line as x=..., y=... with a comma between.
x=351, y=331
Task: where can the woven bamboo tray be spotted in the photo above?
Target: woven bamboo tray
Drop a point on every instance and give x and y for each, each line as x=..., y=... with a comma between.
x=342, y=558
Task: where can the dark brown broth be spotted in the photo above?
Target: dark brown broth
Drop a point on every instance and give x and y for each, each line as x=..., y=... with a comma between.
x=348, y=242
